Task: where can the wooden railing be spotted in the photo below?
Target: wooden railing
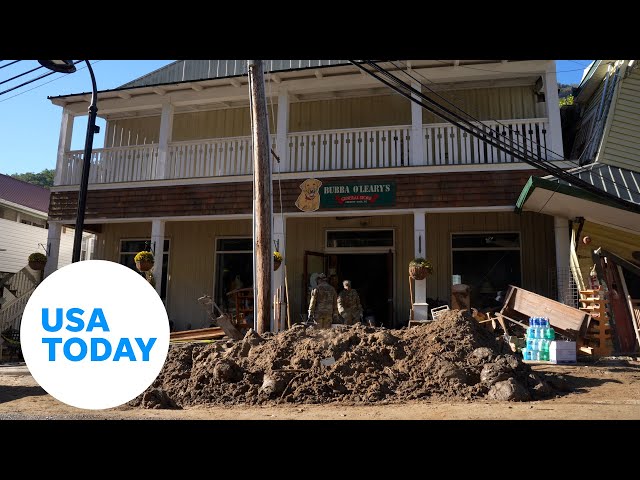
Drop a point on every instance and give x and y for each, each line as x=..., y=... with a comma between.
x=446, y=144
x=112, y=165
x=210, y=158
x=347, y=149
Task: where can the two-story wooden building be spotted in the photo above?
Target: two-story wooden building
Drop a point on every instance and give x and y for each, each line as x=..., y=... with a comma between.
x=366, y=180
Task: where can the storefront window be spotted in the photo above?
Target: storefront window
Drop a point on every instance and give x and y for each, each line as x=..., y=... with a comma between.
x=488, y=263
x=128, y=251
x=234, y=269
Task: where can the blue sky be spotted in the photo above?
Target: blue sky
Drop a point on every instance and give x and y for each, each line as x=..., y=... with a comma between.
x=30, y=123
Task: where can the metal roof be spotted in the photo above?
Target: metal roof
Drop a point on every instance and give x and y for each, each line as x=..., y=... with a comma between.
x=620, y=182
x=192, y=70
x=25, y=194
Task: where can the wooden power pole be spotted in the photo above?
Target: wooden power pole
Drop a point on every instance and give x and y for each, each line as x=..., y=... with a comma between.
x=262, y=206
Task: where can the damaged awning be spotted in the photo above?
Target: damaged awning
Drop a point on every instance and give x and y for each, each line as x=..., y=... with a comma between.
x=551, y=196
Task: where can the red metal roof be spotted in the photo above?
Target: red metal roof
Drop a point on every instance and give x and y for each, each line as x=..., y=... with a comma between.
x=23, y=193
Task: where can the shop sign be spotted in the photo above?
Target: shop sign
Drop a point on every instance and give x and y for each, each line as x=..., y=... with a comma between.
x=358, y=195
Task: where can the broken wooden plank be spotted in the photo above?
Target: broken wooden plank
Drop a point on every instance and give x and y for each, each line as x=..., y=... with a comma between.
x=199, y=334
x=568, y=321
x=203, y=331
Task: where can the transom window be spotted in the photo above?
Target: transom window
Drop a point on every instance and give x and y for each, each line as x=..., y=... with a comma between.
x=359, y=238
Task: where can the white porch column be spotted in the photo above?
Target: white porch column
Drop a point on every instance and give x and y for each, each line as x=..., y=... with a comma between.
x=166, y=128
x=157, y=241
x=282, y=129
x=53, y=248
x=417, y=148
x=562, y=239
x=420, y=307
x=64, y=144
x=277, y=278
x=554, y=134
x=419, y=228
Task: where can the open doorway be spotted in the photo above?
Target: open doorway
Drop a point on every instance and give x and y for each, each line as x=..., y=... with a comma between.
x=371, y=277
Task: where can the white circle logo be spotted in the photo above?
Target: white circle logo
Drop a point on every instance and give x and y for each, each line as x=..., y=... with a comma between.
x=94, y=334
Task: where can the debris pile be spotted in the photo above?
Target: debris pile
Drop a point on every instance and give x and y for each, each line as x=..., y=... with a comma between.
x=451, y=359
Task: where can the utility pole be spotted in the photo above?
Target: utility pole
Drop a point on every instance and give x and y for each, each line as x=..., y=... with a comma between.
x=262, y=205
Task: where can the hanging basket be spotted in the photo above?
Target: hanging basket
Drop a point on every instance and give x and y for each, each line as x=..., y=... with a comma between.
x=37, y=264
x=419, y=268
x=144, y=265
x=418, y=272
x=276, y=265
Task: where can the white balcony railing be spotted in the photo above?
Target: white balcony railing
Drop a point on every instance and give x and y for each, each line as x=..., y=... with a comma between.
x=446, y=144
x=112, y=165
x=347, y=149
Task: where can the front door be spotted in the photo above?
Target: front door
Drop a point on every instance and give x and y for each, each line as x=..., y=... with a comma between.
x=371, y=275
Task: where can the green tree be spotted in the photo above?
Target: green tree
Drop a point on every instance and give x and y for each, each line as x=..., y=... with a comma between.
x=43, y=179
x=568, y=100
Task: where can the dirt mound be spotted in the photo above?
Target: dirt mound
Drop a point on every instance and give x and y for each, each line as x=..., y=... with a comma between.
x=453, y=358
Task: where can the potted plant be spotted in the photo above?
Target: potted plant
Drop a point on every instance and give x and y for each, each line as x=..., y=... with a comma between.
x=277, y=260
x=37, y=261
x=419, y=268
x=144, y=261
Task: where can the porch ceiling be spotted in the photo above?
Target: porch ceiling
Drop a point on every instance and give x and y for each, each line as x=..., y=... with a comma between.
x=302, y=85
x=552, y=198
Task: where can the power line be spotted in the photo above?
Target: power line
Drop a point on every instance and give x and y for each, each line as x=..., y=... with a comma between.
x=9, y=64
x=482, y=132
x=43, y=84
x=574, y=61
x=32, y=80
x=471, y=116
x=497, y=133
x=471, y=129
x=21, y=74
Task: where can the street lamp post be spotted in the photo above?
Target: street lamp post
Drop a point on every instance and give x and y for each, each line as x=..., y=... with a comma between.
x=67, y=66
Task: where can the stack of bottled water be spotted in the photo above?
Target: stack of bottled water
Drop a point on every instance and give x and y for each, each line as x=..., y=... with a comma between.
x=539, y=337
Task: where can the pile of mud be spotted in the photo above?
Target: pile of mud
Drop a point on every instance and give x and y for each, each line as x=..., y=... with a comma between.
x=451, y=359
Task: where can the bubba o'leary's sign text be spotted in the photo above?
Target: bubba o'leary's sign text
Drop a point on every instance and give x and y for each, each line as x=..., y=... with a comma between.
x=96, y=348
x=361, y=194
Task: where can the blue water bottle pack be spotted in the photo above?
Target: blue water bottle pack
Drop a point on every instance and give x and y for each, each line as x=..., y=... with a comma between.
x=538, y=338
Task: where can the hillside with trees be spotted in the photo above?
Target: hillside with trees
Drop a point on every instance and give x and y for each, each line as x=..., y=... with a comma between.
x=42, y=179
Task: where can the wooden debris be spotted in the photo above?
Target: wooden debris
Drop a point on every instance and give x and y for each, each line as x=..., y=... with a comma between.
x=223, y=321
x=199, y=334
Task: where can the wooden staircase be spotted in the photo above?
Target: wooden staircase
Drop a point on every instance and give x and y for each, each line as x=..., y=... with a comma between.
x=598, y=339
x=17, y=290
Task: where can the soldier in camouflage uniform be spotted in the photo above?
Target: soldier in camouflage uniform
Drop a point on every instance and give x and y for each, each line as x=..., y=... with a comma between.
x=323, y=307
x=349, y=304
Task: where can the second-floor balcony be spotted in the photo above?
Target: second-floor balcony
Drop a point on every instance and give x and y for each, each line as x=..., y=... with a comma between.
x=327, y=150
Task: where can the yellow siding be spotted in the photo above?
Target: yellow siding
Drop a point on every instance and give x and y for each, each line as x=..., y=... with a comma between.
x=132, y=131
x=487, y=103
x=622, y=143
x=537, y=246
x=191, y=260
x=357, y=112
x=616, y=241
x=230, y=122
